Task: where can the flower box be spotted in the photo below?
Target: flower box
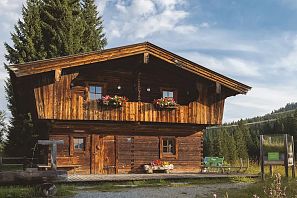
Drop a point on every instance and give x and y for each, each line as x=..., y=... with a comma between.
x=116, y=101
x=158, y=165
x=165, y=103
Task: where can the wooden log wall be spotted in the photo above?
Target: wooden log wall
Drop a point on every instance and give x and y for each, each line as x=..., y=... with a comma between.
x=135, y=151
x=127, y=154
x=61, y=100
x=57, y=101
x=68, y=156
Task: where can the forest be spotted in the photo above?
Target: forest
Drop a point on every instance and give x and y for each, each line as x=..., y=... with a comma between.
x=240, y=139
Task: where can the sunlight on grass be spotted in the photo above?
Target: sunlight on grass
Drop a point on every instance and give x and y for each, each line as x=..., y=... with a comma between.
x=258, y=188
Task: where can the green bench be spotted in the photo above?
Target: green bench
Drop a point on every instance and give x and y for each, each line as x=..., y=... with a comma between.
x=213, y=164
x=217, y=164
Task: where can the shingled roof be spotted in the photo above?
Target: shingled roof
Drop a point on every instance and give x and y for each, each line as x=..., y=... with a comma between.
x=36, y=67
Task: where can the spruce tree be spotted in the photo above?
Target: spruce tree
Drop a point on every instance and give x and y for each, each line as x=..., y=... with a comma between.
x=232, y=154
x=240, y=143
x=27, y=38
x=27, y=46
x=3, y=127
x=48, y=29
x=93, y=37
x=224, y=146
x=62, y=26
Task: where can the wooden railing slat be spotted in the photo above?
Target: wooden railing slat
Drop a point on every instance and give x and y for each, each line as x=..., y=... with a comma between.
x=193, y=113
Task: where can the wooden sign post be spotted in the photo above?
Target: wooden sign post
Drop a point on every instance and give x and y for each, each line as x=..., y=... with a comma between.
x=53, y=144
x=277, y=150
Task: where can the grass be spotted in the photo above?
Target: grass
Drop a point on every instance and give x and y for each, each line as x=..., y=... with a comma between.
x=258, y=187
x=17, y=191
x=67, y=190
x=255, y=169
x=30, y=191
x=11, y=167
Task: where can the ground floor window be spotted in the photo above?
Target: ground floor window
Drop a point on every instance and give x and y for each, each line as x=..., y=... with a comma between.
x=168, y=147
x=79, y=144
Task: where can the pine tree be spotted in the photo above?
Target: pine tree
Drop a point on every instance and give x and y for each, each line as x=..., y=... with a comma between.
x=48, y=29
x=3, y=127
x=224, y=146
x=240, y=143
x=27, y=38
x=93, y=37
x=206, y=144
x=232, y=154
x=27, y=46
x=62, y=26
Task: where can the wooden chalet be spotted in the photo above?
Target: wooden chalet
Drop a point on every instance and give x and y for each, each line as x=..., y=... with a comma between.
x=64, y=96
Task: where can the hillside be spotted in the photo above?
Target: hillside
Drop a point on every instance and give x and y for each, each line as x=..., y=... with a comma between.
x=242, y=137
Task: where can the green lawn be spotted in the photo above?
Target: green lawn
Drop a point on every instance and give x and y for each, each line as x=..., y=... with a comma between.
x=31, y=191
x=14, y=167
x=66, y=190
x=258, y=187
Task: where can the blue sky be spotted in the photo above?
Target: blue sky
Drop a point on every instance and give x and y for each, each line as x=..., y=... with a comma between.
x=252, y=41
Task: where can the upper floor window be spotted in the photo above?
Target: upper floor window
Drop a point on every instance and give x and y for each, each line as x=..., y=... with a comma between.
x=167, y=94
x=95, y=92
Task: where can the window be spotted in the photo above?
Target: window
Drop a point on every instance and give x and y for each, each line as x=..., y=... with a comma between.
x=167, y=94
x=168, y=147
x=95, y=92
x=79, y=144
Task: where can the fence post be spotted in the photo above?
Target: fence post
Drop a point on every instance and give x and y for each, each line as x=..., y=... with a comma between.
x=286, y=156
x=24, y=163
x=293, y=151
x=262, y=157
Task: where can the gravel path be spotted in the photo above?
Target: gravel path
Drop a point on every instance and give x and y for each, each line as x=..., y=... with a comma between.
x=195, y=191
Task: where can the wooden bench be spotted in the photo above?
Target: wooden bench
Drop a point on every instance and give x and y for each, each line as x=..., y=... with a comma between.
x=63, y=162
x=46, y=167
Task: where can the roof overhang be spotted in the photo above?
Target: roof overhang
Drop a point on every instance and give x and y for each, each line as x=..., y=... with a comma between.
x=53, y=64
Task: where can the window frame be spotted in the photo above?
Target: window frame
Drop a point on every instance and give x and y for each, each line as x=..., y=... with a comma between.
x=79, y=149
x=103, y=89
x=162, y=89
x=175, y=147
x=95, y=93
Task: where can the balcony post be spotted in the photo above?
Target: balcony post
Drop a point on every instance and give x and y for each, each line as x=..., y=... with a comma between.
x=138, y=87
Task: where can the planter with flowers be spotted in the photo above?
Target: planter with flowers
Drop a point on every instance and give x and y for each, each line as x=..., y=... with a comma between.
x=165, y=103
x=158, y=165
x=115, y=101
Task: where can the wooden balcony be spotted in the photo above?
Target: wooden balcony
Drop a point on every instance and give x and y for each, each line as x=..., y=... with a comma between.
x=193, y=113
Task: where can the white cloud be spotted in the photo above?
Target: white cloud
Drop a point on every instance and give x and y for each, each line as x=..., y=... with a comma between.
x=230, y=66
x=101, y=5
x=10, y=11
x=204, y=25
x=289, y=61
x=143, y=18
x=261, y=100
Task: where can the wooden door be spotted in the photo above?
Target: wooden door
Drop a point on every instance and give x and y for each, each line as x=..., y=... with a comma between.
x=97, y=148
x=109, y=161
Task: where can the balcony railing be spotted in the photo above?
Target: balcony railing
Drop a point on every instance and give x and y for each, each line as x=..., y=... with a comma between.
x=193, y=113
